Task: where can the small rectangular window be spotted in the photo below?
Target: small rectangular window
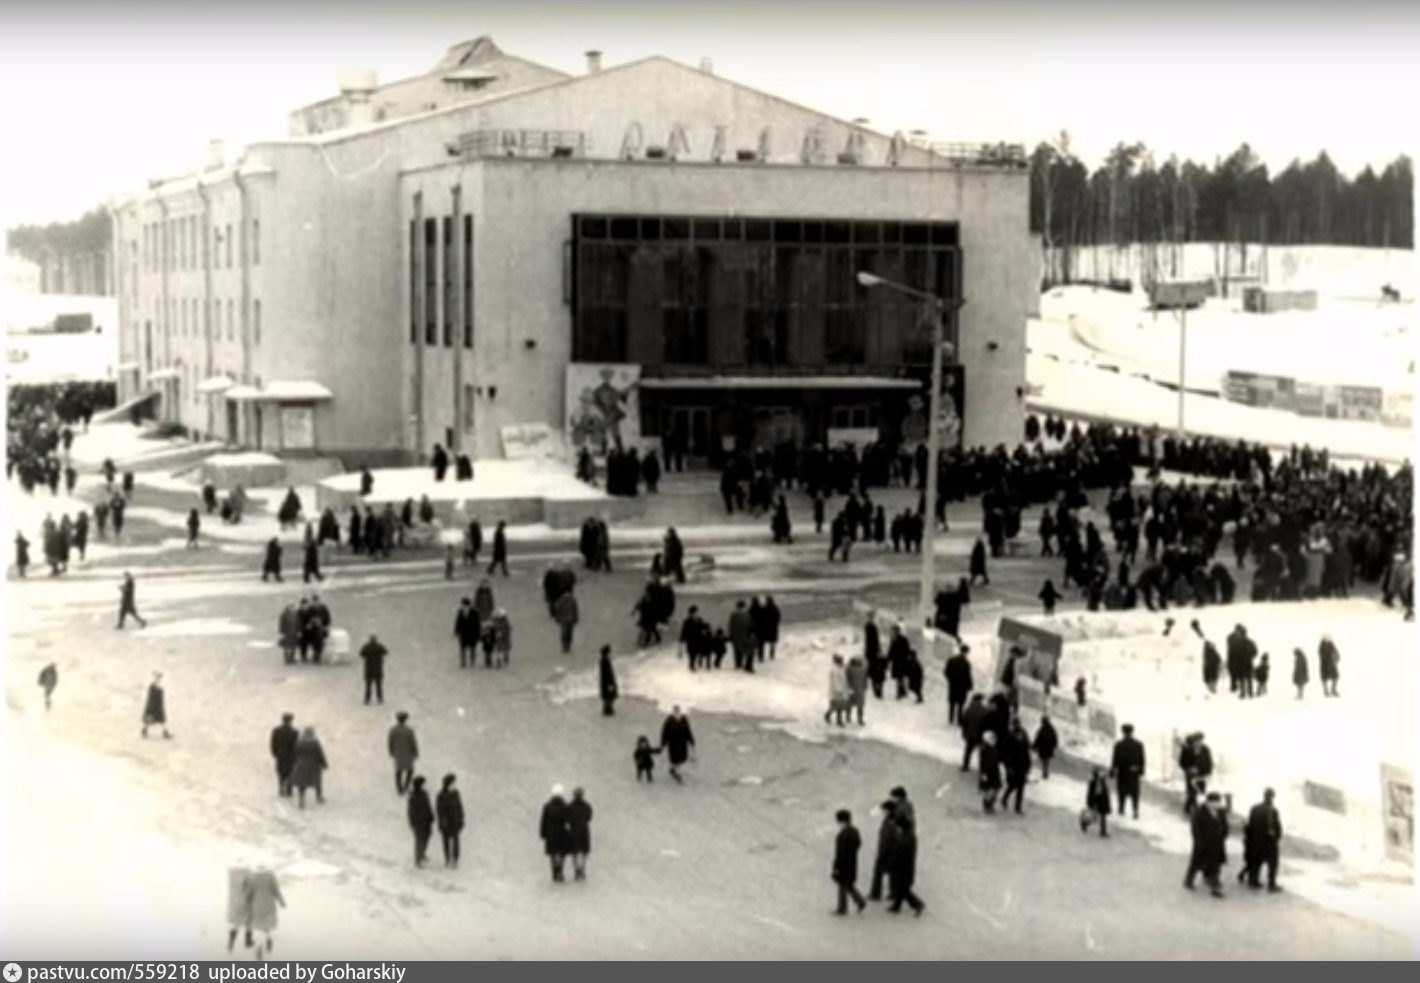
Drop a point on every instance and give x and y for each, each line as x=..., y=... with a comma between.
x=228, y=237
x=255, y=243
x=231, y=322
x=256, y=322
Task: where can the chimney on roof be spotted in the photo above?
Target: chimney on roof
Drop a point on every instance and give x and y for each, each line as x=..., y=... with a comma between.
x=216, y=155
x=707, y=66
x=594, y=62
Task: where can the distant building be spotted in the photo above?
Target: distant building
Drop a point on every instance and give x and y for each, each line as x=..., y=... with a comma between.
x=21, y=276
x=441, y=258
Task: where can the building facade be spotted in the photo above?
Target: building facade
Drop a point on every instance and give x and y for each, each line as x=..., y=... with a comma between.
x=441, y=275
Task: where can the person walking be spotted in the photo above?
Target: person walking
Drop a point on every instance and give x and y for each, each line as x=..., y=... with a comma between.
x=310, y=565
x=1262, y=838
x=1049, y=596
x=887, y=843
x=283, y=752
x=308, y=770
x=404, y=750
x=1127, y=768
x=48, y=680
x=421, y=819
x=606, y=682
x=1046, y=742
x=1096, y=803
x=903, y=873
x=500, y=550
x=1328, y=661
x=373, y=655
x=1209, y=828
x=498, y=640
x=288, y=628
x=127, y=605
x=483, y=601
x=972, y=719
x=845, y=863
x=448, y=810
x=1196, y=763
x=261, y=896
x=978, y=564
x=873, y=654
x=271, y=564
x=678, y=741
x=741, y=631
x=1261, y=673
x=837, y=692
x=22, y=554
x=554, y=833
x=194, y=525
x=155, y=711
x=989, y=771
x=468, y=629
x=566, y=613
x=1300, y=675
x=857, y=675
x=1015, y=758
x=579, y=833
x=959, y=683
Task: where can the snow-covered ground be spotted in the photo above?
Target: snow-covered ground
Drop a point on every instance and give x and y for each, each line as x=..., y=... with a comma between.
x=1155, y=684
x=492, y=479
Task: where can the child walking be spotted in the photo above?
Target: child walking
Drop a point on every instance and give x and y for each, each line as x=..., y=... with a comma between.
x=645, y=758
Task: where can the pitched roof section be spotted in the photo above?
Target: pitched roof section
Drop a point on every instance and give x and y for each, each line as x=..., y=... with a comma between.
x=467, y=53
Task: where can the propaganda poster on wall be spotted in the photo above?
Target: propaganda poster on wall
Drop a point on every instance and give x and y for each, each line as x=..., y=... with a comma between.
x=603, y=407
x=1398, y=813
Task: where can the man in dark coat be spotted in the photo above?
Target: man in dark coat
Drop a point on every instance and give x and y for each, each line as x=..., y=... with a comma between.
x=556, y=839
x=468, y=629
x=1328, y=666
x=740, y=628
x=1242, y=652
x=1046, y=742
x=566, y=613
x=155, y=711
x=403, y=748
x=902, y=874
x=1127, y=768
x=448, y=810
x=674, y=552
x=579, y=833
x=677, y=740
x=1015, y=760
x=421, y=819
x=887, y=843
x=440, y=462
x=606, y=682
x=373, y=655
x=1196, y=763
x=873, y=655
x=1262, y=838
x=271, y=565
x=1210, y=833
x=127, y=605
x=973, y=722
x=500, y=549
x=283, y=750
x=845, y=863
x=899, y=657
x=959, y=683
x=311, y=565
x=978, y=564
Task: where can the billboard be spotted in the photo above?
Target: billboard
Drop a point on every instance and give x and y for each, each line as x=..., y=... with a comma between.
x=1042, y=649
x=603, y=406
x=1398, y=813
x=914, y=423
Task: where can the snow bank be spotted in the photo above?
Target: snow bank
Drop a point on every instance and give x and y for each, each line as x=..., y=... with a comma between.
x=492, y=479
x=1156, y=682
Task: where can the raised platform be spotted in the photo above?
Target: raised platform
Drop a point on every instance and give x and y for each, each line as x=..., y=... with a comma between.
x=515, y=492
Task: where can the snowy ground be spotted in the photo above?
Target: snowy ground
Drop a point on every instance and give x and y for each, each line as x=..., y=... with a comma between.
x=790, y=694
x=743, y=846
x=492, y=479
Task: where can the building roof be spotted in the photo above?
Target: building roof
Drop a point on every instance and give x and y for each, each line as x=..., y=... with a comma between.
x=295, y=390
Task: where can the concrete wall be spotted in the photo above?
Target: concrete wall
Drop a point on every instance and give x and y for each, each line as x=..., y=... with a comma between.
x=524, y=221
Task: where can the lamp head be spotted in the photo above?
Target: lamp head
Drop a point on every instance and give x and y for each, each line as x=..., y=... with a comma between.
x=866, y=279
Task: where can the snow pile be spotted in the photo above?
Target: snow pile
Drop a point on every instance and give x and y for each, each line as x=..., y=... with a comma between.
x=1154, y=683
x=492, y=479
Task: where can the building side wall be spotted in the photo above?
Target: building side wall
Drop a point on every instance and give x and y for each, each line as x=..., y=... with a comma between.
x=524, y=224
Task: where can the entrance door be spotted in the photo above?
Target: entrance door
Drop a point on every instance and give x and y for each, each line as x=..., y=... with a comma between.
x=691, y=426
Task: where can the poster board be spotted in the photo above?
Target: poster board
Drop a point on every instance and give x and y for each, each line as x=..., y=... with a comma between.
x=858, y=437
x=1398, y=813
x=529, y=441
x=603, y=406
x=1326, y=797
x=1031, y=694
x=1103, y=720
x=1042, y=648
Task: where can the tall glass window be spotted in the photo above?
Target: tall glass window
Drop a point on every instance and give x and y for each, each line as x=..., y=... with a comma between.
x=468, y=281
x=755, y=294
x=431, y=281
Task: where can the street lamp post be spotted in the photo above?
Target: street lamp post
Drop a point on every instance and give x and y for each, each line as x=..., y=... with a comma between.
x=934, y=441
x=1182, y=364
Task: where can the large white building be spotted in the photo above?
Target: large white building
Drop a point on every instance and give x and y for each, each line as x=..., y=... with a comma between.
x=439, y=259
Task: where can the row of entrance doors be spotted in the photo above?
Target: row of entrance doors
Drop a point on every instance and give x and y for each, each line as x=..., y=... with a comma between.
x=706, y=432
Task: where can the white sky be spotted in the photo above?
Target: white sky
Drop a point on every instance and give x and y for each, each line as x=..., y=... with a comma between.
x=98, y=99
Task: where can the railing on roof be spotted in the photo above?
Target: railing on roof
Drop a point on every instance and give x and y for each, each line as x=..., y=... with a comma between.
x=990, y=154
x=523, y=143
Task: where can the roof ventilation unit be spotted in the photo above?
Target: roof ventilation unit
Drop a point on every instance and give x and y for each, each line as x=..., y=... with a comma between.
x=717, y=149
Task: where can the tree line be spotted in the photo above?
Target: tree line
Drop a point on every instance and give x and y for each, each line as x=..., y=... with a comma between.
x=1131, y=198
x=90, y=233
